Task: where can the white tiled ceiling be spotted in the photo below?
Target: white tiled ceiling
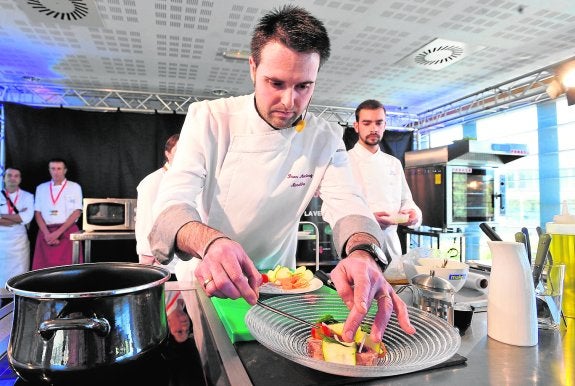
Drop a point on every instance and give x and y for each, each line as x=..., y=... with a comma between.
x=175, y=46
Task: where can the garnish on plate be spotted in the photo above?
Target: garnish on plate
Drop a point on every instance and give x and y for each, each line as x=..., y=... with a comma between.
x=287, y=279
x=325, y=342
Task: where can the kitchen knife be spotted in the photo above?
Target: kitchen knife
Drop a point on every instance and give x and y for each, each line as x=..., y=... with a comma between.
x=549, y=256
x=525, y=231
x=325, y=279
x=490, y=232
x=542, y=250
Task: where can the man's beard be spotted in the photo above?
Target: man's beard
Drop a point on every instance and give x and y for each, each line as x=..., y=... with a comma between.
x=372, y=139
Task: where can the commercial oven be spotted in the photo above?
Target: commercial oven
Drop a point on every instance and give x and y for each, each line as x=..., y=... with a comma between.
x=460, y=183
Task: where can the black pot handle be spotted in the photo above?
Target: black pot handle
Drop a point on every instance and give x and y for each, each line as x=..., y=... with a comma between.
x=99, y=325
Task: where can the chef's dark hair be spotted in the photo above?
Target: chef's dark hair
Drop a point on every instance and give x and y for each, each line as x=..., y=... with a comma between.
x=294, y=27
x=370, y=104
x=59, y=160
x=171, y=142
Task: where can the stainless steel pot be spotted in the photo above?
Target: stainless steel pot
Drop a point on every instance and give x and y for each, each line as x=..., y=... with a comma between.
x=71, y=322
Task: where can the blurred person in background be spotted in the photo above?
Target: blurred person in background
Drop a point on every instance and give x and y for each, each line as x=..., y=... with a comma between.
x=147, y=191
x=16, y=212
x=381, y=177
x=58, y=206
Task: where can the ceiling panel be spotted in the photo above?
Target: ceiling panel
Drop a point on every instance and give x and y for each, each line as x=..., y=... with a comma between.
x=175, y=46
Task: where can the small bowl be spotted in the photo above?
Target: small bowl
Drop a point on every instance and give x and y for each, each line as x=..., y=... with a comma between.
x=462, y=316
x=455, y=272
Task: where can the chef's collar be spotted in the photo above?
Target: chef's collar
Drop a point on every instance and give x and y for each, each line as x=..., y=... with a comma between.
x=273, y=127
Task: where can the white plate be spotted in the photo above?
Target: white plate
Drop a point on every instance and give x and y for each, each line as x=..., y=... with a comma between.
x=434, y=342
x=271, y=289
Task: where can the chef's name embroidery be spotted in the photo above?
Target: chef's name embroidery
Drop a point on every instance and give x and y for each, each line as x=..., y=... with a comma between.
x=300, y=180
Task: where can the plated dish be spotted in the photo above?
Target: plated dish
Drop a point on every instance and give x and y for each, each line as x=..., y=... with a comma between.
x=434, y=342
x=271, y=289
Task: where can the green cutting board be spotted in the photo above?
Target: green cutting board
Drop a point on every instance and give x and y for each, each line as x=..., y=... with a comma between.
x=233, y=312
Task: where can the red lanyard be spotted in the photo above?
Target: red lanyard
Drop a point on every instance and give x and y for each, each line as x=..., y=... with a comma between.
x=55, y=200
x=11, y=204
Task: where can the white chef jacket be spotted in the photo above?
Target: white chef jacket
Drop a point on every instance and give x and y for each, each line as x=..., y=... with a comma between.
x=254, y=181
x=382, y=180
x=70, y=199
x=14, y=243
x=147, y=192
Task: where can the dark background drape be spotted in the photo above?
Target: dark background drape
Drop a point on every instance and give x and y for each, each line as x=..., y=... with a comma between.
x=107, y=154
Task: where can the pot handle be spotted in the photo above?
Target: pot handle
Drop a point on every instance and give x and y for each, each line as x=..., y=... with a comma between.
x=99, y=325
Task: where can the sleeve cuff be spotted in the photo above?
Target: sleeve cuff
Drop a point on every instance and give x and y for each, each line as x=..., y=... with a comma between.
x=349, y=225
x=163, y=235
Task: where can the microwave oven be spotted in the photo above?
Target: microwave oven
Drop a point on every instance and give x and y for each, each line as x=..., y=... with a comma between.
x=109, y=214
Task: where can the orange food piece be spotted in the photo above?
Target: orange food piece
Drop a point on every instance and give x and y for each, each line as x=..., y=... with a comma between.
x=293, y=282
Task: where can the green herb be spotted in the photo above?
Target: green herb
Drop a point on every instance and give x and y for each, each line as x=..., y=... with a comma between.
x=327, y=319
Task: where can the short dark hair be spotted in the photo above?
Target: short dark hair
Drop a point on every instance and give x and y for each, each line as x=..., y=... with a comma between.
x=171, y=142
x=13, y=168
x=370, y=104
x=294, y=27
x=59, y=160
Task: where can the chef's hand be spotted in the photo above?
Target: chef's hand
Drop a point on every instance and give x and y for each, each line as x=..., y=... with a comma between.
x=384, y=219
x=412, y=217
x=359, y=281
x=226, y=271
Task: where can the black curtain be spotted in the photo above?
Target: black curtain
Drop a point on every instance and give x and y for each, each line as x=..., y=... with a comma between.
x=108, y=153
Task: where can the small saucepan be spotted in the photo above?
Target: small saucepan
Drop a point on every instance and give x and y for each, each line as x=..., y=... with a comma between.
x=76, y=321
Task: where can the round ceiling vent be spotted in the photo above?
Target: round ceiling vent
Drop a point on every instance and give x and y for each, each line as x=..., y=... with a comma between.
x=60, y=9
x=439, y=55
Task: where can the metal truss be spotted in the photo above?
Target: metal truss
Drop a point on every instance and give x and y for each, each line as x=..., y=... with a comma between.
x=521, y=91
x=34, y=94
x=518, y=92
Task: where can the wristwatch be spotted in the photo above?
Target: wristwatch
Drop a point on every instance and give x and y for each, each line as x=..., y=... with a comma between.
x=375, y=251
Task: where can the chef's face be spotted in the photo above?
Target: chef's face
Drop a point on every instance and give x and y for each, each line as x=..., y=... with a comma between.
x=57, y=171
x=370, y=126
x=12, y=178
x=179, y=325
x=284, y=81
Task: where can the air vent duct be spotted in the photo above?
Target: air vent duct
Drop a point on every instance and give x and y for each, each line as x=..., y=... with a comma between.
x=64, y=12
x=439, y=53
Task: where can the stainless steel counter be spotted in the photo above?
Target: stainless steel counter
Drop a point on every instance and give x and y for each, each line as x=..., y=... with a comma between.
x=489, y=362
x=87, y=237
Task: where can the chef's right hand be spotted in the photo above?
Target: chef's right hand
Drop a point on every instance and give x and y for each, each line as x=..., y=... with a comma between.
x=384, y=219
x=226, y=271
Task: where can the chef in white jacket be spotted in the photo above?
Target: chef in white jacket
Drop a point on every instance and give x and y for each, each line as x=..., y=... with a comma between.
x=255, y=162
x=16, y=212
x=381, y=176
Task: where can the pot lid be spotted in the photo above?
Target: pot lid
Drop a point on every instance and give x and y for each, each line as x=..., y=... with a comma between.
x=432, y=283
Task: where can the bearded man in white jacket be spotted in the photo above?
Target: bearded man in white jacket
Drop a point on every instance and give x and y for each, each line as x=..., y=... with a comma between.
x=247, y=167
x=381, y=176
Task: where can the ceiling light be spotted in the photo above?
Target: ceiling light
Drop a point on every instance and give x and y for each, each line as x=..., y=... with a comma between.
x=236, y=54
x=563, y=82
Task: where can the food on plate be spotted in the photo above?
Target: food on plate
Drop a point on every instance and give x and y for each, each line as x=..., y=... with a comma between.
x=287, y=279
x=327, y=344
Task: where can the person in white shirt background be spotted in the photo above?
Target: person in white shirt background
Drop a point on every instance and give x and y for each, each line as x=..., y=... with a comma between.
x=246, y=169
x=16, y=212
x=57, y=206
x=147, y=191
x=381, y=177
